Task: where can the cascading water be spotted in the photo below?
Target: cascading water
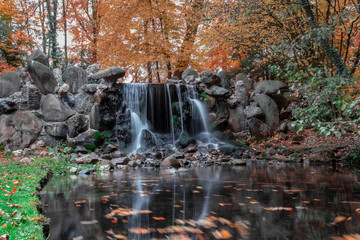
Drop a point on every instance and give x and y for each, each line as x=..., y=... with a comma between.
x=160, y=113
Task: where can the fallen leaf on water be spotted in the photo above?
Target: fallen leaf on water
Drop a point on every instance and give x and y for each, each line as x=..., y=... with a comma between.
x=279, y=209
x=119, y=236
x=141, y=230
x=339, y=219
x=225, y=234
x=176, y=206
x=159, y=218
x=225, y=204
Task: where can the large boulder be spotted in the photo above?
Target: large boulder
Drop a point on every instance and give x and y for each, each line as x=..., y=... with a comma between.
x=94, y=68
x=255, y=112
x=42, y=76
x=171, y=161
x=209, y=78
x=270, y=109
x=95, y=117
x=217, y=91
x=77, y=124
x=9, y=84
x=258, y=128
x=83, y=102
x=57, y=130
x=185, y=140
x=225, y=80
x=237, y=119
x=38, y=56
x=241, y=93
x=7, y=106
x=111, y=74
x=54, y=110
x=75, y=78
x=189, y=75
x=19, y=129
x=29, y=98
x=249, y=84
x=270, y=87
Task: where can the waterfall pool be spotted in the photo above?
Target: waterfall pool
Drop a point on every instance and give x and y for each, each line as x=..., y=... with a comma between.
x=253, y=202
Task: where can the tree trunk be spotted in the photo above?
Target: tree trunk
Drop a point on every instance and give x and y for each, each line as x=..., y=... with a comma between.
x=64, y=2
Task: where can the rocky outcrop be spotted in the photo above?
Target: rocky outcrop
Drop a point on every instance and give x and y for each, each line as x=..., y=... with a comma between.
x=75, y=78
x=270, y=109
x=270, y=87
x=189, y=75
x=54, y=110
x=209, y=78
x=57, y=130
x=29, y=98
x=112, y=74
x=38, y=56
x=19, y=129
x=237, y=119
x=9, y=84
x=42, y=76
x=77, y=124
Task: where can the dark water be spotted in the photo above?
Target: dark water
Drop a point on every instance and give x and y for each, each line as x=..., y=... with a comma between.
x=258, y=202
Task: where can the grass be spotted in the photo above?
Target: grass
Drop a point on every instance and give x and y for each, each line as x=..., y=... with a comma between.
x=19, y=217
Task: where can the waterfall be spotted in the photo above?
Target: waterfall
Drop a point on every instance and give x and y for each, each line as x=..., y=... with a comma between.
x=158, y=114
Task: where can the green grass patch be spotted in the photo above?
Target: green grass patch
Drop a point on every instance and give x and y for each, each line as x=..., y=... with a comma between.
x=18, y=213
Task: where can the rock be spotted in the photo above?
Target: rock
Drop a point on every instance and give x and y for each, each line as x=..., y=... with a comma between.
x=23, y=74
x=27, y=160
x=217, y=91
x=134, y=163
x=292, y=127
x=110, y=148
x=290, y=97
x=69, y=100
x=173, y=81
x=29, y=98
x=111, y=74
x=93, y=68
x=221, y=110
x=190, y=149
x=210, y=101
x=54, y=110
x=137, y=156
x=237, y=119
x=258, y=128
x=249, y=84
x=255, y=112
x=228, y=149
x=238, y=162
x=9, y=84
x=19, y=129
x=38, y=56
x=57, y=130
x=117, y=154
x=322, y=155
x=75, y=78
x=185, y=140
x=225, y=80
x=63, y=90
x=270, y=87
x=232, y=103
x=77, y=124
x=81, y=149
x=189, y=75
x=42, y=76
x=280, y=101
x=73, y=170
x=270, y=109
x=120, y=161
x=171, y=161
x=220, y=125
x=90, y=88
x=99, y=94
x=84, y=138
x=87, y=171
x=283, y=127
x=241, y=93
x=106, y=156
x=87, y=159
x=83, y=102
x=7, y=106
x=95, y=117
x=209, y=78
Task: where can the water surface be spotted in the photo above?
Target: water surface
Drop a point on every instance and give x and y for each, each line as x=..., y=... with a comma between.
x=256, y=202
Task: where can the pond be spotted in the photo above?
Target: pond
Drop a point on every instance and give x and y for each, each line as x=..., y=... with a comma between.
x=253, y=202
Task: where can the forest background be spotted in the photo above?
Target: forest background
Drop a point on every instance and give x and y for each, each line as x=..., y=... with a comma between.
x=314, y=45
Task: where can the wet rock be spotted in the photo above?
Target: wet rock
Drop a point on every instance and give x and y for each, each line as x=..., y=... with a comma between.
x=117, y=154
x=90, y=88
x=112, y=74
x=190, y=149
x=57, y=130
x=258, y=128
x=270, y=109
x=95, y=117
x=120, y=161
x=75, y=78
x=19, y=129
x=209, y=78
x=9, y=84
x=270, y=87
x=237, y=119
x=28, y=99
x=220, y=125
x=42, y=76
x=87, y=159
x=81, y=149
x=221, y=110
x=83, y=102
x=249, y=84
x=77, y=124
x=137, y=156
x=134, y=163
x=241, y=93
x=87, y=171
x=54, y=110
x=110, y=148
x=255, y=112
x=189, y=75
x=38, y=56
x=94, y=68
x=225, y=80
x=7, y=106
x=185, y=140
x=171, y=161
x=322, y=155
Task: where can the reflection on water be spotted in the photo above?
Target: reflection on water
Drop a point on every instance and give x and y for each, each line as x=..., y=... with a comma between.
x=257, y=202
